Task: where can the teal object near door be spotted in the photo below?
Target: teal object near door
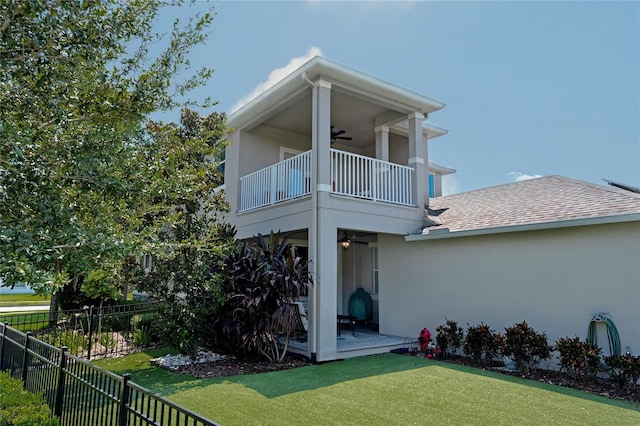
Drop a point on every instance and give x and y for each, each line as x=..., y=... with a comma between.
x=360, y=305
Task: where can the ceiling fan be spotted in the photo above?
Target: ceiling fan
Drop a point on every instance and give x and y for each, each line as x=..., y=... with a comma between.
x=338, y=135
x=346, y=241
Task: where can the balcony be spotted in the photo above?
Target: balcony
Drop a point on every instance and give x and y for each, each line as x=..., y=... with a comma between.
x=352, y=175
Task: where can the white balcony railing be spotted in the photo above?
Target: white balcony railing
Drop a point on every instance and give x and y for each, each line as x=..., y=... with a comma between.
x=365, y=177
x=286, y=180
x=351, y=174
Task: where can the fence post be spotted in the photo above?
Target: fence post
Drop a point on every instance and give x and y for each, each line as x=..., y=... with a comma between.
x=60, y=390
x=4, y=331
x=90, y=324
x=124, y=399
x=25, y=359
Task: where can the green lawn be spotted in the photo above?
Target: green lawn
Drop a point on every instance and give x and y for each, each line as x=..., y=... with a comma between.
x=23, y=300
x=377, y=390
x=26, y=321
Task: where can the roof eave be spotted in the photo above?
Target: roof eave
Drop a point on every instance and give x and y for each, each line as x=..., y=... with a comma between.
x=319, y=67
x=440, y=169
x=600, y=220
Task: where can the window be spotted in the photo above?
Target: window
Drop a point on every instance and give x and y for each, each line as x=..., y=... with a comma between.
x=374, y=272
x=432, y=186
x=286, y=153
x=221, y=160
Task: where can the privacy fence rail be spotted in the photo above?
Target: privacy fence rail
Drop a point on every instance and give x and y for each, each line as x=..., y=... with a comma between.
x=80, y=393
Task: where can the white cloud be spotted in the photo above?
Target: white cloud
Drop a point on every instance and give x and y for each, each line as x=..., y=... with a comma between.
x=519, y=177
x=449, y=185
x=276, y=75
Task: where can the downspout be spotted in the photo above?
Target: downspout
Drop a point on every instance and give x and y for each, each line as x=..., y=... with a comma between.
x=314, y=211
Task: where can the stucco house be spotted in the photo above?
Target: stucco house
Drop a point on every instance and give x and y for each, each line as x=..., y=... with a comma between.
x=339, y=160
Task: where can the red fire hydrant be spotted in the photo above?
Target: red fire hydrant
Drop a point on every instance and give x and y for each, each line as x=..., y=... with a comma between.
x=425, y=337
x=427, y=347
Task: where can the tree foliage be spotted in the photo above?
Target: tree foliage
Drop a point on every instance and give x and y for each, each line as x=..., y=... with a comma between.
x=78, y=80
x=180, y=222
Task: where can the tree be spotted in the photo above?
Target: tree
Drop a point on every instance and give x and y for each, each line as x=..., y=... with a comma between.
x=77, y=83
x=180, y=220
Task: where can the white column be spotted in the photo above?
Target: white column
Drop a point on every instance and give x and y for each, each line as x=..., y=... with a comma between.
x=437, y=184
x=382, y=143
x=323, y=119
x=418, y=159
x=322, y=232
x=326, y=283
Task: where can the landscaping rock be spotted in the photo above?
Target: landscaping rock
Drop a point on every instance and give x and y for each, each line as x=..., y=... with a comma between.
x=175, y=362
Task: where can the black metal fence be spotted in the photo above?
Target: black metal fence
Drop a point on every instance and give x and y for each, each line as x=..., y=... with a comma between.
x=93, y=332
x=80, y=393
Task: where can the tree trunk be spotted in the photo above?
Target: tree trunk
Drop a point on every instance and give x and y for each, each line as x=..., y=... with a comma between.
x=125, y=290
x=53, y=308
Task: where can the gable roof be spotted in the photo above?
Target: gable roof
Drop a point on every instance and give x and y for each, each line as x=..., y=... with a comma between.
x=546, y=202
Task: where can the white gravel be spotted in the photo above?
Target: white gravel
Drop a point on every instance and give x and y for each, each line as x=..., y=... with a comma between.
x=173, y=362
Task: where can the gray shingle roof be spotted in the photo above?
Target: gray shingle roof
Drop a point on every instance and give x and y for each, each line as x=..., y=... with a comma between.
x=542, y=200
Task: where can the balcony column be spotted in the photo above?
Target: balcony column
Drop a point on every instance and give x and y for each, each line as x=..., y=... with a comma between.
x=322, y=118
x=418, y=159
x=382, y=143
x=322, y=232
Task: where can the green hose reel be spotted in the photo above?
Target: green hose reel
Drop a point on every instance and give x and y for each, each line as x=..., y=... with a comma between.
x=612, y=332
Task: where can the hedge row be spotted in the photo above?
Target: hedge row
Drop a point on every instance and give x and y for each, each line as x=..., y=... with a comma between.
x=21, y=408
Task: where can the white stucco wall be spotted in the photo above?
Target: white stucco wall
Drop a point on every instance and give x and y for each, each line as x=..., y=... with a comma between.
x=553, y=279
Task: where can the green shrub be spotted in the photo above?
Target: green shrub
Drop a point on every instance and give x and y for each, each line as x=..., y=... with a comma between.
x=147, y=320
x=482, y=343
x=117, y=322
x=626, y=369
x=74, y=341
x=107, y=340
x=526, y=346
x=145, y=328
x=141, y=337
x=579, y=359
x=449, y=337
x=21, y=408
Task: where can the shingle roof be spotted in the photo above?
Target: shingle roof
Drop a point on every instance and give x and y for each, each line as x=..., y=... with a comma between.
x=542, y=200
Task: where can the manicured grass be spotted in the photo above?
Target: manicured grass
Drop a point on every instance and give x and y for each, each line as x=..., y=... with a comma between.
x=23, y=300
x=26, y=321
x=378, y=390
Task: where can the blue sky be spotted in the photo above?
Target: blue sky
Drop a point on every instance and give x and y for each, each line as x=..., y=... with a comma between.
x=531, y=88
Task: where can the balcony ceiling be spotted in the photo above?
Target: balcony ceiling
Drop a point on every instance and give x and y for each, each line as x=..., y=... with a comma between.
x=351, y=114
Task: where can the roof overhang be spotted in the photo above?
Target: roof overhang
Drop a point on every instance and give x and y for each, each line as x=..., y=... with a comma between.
x=436, y=233
x=441, y=169
x=353, y=81
x=428, y=130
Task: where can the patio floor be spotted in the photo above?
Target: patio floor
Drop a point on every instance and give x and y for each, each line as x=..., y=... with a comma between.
x=363, y=338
